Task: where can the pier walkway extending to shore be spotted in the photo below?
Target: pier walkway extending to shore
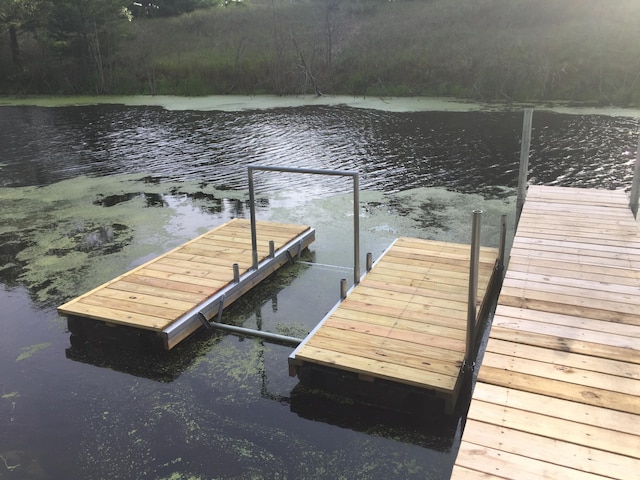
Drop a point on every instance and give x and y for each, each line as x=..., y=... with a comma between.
x=558, y=392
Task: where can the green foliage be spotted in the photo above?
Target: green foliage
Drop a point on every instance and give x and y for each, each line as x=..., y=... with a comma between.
x=485, y=49
x=168, y=8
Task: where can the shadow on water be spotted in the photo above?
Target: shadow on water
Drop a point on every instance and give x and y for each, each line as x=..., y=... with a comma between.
x=420, y=422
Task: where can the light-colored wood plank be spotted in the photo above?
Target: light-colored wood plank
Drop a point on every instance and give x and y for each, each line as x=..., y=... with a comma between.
x=141, y=298
x=552, y=449
x=365, y=347
x=507, y=316
x=619, y=348
x=567, y=362
x=392, y=332
x=557, y=388
x=544, y=368
x=169, y=293
x=601, y=417
x=622, y=275
x=97, y=312
x=424, y=326
x=535, y=424
x=591, y=291
x=569, y=305
x=382, y=370
x=500, y=464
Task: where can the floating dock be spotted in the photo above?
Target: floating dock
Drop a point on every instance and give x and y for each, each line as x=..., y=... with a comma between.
x=176, y=293
x=405, y=322
x=558, y=393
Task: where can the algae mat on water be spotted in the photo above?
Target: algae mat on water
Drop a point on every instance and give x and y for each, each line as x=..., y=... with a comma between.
x=62, y=239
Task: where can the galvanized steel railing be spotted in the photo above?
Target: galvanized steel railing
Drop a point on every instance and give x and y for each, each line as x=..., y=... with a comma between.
x=356, y=208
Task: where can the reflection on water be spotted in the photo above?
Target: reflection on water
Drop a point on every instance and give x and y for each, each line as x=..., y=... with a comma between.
x=87, y=193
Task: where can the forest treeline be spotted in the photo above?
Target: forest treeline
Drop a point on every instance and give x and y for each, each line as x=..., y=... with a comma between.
x=528, y=50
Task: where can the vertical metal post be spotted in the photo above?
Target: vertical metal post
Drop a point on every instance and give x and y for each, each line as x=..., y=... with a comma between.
x=343, y=288
x=236, y=273
x=272, y=249
x=252, y=215
x=356, y=209
x=503, y=241
x=635, y=185
x=473, y=288
x=369, y=262
x=356, y=230
x=524, y=161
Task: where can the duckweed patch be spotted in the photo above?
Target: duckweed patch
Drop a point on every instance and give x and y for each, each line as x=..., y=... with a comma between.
x=28, y=352
x=296, y=330
x=63, y=239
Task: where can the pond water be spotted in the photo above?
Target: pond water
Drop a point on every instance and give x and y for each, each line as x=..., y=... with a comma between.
x=90, y=191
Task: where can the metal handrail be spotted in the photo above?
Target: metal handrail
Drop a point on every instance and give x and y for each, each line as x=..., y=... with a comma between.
x=472, y=301
x=356, y=208
x=525, y=147
x=635, y=185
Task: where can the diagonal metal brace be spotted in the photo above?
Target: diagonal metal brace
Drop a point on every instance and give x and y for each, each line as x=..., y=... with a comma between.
x=298, y=253
x=203, y=318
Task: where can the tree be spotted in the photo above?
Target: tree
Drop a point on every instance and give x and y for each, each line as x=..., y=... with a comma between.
x=168, y=8
x=19, y=16
x=87, y=32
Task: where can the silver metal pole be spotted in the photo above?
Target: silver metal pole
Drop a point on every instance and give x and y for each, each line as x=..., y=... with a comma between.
x=525, y=146
x=473, y=287
x=356, y=230
x=503, y=241
x=252, y=217
x=369, y=264
x=635, y=185
x=257, y=333
x=236, y=273
x=343, y=288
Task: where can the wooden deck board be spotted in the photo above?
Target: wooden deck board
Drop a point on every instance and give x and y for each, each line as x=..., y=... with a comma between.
x=406, y=320
x=558, y=392
x=156, y=294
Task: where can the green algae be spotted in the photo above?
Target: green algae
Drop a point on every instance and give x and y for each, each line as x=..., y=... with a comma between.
x=296, y=330
x=9, y=395
x=63, y=239
x=28, y=352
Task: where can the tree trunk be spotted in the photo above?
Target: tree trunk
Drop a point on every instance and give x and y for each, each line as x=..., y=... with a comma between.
x=96, y=56
x=13, y=41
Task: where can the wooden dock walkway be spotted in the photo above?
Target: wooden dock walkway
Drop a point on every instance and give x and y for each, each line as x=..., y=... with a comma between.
x=171, y=294
x=558, y=392
x=405, y=322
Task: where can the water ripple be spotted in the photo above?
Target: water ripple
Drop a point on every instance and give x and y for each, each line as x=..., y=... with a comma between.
x=463, y=151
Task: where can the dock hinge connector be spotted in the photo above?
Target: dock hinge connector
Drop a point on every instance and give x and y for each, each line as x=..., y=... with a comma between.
x=467, y=367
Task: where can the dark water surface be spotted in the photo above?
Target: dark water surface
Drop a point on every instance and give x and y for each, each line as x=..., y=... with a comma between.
x=86, y=193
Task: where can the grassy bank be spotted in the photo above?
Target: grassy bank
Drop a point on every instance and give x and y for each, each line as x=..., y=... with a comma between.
x=577, y=50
